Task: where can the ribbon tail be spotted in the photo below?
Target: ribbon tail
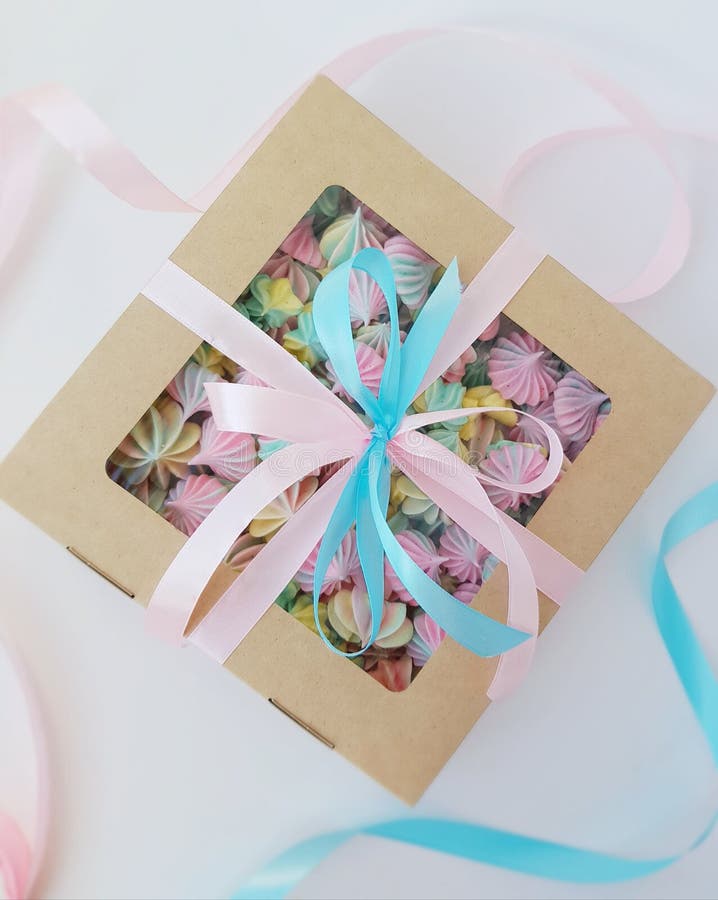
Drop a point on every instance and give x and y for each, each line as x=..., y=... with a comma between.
x=330, y=312
x=522, y=594
x=556, y=576
x=207, y=315
x=369, y=546
x=544, y=479
x=426, y=335
x=340, y=522
x=472, y=629
x=483, y=299
x=529, y=855
x=254, y=590
x=177, y=592
x=283, y=873
x=689, y=660
x=353, y=506
x=523, y=608
x=463, y=840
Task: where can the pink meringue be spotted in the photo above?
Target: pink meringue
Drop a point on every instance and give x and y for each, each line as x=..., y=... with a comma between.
x=282, y=508
x=490, y=332
x=576, y=404
x=371, y=368
x=427, y=638
x=371, y=216
x=457, y=369
x=527, y=431
x=347, y=235
x=413, y=270
x=428, y=635
x=302, y=280
x=343, y=568
x=514, y=464
x=190, y=501
x=187, y=388
x=377, y=337
x=469, y=589
x=522, y=369
x=463, y=556
x=422, y=550
x=302, y=244
x=393, y=674
x=229, y=454
x=366, y=299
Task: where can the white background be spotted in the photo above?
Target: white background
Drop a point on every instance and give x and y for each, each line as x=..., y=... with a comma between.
x=171, y=778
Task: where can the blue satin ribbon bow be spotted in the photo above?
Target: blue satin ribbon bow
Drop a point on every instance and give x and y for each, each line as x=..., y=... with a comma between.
x=365, y=498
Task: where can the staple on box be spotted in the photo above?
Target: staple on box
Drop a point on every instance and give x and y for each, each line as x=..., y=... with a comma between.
x=312, y=731
x=113, y=581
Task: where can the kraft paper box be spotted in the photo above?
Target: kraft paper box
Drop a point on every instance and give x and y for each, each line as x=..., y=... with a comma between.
x=402, y=738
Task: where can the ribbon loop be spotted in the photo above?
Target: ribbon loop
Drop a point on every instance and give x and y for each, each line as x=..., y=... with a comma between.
x=277, y=414
x=333, y=324
x=426, y=334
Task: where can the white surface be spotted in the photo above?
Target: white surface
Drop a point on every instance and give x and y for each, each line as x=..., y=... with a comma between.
x=172, y=778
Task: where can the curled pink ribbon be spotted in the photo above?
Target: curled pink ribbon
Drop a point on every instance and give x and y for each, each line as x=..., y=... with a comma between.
x=74, y=126
x=19, y=859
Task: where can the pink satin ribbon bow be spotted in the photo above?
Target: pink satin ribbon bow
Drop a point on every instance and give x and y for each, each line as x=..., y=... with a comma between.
x=322, y=429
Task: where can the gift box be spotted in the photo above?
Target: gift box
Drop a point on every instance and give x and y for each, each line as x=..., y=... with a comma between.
x=150, y=462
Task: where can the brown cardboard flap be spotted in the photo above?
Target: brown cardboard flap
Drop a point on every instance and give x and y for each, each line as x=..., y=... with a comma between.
x=328, y=138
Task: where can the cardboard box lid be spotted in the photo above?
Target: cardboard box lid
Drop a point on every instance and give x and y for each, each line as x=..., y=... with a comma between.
x=401, y=739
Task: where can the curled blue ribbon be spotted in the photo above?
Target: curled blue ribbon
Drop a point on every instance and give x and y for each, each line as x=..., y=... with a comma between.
x=528, y=855
x=365, y=498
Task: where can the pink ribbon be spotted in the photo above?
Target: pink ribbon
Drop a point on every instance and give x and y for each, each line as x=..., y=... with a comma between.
x=19, y=861
x=75, y=127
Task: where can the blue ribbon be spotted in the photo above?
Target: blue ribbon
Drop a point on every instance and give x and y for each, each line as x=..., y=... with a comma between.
x=528, y=855
x=365, y=498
